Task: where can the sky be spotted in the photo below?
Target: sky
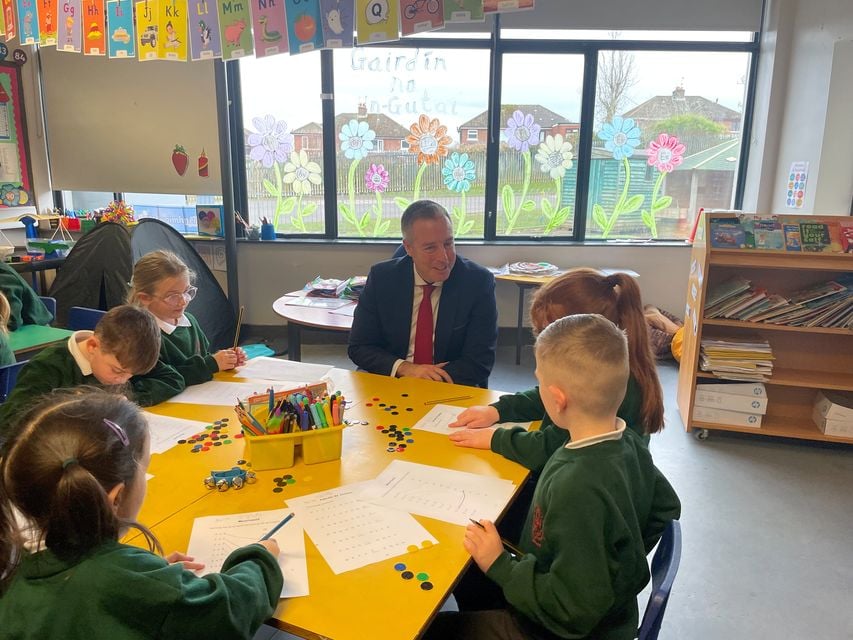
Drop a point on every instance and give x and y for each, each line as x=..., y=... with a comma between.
x=452, y=85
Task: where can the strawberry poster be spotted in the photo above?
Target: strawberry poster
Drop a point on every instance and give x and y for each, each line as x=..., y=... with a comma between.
x=9, y=20
x=172, y=27
x=121, y=35
x=464, y=11
x=94, y=40
x=28, y=21
x=180, y=159
x=376, y=20
x=303, y=25
x=502, y=6
x=204, y=30
x=337, y=22
x=421, y=15
x=235, y=28
x=48, y=11
x=147, y=15
x=69, y=34
x=269, y=26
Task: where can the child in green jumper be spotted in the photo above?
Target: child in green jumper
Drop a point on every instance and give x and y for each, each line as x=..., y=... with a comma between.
x=122, y=349
x=7, y=356
x=599, y=507
x=75, y=470
x=162, y=283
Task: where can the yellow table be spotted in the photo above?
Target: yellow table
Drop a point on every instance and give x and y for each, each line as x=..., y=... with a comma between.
x=369, y=602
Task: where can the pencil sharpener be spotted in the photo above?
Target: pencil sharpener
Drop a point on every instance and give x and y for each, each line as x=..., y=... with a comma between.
x=233, y=477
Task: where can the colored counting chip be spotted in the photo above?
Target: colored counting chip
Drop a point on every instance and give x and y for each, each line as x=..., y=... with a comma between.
x=410, y=440
x=399, y=567
x=426, y=586
x=422, y=576
x=277, y=490
x=407, y=575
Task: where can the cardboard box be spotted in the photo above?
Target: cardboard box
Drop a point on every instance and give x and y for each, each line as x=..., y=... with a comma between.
x=730, y=418
x=835, y=405
x=751, y=389
x=840, y=428
x=730, y=401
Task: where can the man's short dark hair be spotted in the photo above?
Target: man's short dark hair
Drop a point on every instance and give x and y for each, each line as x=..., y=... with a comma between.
x=132, y=335
x=421, y=210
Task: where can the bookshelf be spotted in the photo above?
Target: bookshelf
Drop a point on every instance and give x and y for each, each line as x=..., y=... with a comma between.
x=806, y=358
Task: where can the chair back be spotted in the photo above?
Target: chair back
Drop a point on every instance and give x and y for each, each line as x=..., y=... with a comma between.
x=50, y=303
x=664, y=567
x=8, y=377
x=84, y=318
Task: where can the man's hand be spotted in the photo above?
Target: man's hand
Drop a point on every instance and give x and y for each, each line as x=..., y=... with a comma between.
x=473, y=438
x=483, y=543
x=476, y=417
x=425, y=371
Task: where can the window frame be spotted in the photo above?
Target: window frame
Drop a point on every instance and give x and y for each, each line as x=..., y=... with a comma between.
x=498, y=47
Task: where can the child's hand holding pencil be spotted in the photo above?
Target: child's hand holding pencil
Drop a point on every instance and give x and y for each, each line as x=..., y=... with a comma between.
x=485, y=544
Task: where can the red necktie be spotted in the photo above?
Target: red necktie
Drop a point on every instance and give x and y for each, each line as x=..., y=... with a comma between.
x=423, y=332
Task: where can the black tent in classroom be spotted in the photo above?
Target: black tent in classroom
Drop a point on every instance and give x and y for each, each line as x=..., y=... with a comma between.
x=98, y=270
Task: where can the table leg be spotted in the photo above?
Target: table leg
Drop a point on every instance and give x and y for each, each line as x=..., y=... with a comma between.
x=519, y=327
x=294, y=341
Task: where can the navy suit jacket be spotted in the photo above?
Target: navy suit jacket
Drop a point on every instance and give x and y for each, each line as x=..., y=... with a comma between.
x=466, y=330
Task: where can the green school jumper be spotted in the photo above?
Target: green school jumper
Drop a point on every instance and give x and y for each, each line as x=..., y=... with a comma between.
x=55, y=368
x=24, y=303
x=532, y=449
x=187, y=350
x=7, y=356
x=596, y=513
x=119, y=592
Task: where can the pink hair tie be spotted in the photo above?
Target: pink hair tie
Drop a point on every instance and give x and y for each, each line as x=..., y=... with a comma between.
x=120, y=433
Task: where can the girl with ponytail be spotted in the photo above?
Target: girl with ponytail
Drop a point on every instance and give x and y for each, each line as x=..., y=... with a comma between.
x=74, y=471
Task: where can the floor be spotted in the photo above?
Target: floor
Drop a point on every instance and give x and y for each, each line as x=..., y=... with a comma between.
x=767, y=525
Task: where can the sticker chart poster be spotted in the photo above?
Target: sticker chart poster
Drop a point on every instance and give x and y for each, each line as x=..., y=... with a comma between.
x=338, y=23
x=15, y=171
x=48, y=10
x=269, y=27
x=503, y=6
x=147, y=15
x=28, y=21
x=9, y=20
x=121, y=35
x=464, y=11
x=172, y=27
x=69, y=37
x=205, y=42
x=377, y=20
x=235, y=28
x=94, y=41
x=303, y=25
x=421, y=15
x=795, y=193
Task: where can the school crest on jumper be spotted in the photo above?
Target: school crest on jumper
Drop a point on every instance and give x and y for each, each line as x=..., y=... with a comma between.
x=537, y=535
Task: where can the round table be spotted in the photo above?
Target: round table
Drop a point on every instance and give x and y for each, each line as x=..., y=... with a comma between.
x=313, y=317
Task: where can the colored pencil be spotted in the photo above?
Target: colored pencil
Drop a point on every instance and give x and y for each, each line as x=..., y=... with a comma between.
x=272, y=531
x=443, y=400
x=507, y=545
x=239, y=325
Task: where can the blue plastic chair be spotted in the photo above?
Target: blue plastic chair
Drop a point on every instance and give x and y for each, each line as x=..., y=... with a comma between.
x=8, y=377
x=664, y=567
x=84, y=318
x=50, y=303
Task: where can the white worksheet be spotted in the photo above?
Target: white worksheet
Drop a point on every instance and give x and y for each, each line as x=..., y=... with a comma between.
x=166, y=431
x=436, y=492
x=351, y=533
x=289, y=371
x=214, y=537
x=441, y=415
x=224, y=394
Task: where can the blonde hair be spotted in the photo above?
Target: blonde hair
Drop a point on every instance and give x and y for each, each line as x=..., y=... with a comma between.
x=151, y=269
x=587, y=356
x=5, y=313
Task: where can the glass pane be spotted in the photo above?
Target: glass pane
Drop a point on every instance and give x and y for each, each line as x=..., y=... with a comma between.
x=178, y=211
x=399, y=113
x=540, y=124
x=86, y=200
x=667, y=140
x=283, y=133
x=589, y=34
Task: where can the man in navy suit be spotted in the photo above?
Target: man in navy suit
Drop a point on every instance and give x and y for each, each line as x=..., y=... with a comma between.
x=429, y=314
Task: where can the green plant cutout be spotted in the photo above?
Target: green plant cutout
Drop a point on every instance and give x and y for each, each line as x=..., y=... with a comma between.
x=376, y=179
x=356, y=141
x=665, y=154
x=458, y=173
x=555, y=158
x=621, y=137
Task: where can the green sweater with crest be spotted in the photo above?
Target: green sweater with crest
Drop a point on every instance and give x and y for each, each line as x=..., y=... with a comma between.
x=187, y=351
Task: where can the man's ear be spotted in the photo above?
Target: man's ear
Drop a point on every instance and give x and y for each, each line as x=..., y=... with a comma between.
x=407, y=246
x=116, y=495
x=560, y=398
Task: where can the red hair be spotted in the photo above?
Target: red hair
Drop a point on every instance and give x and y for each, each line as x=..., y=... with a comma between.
x=617, y=298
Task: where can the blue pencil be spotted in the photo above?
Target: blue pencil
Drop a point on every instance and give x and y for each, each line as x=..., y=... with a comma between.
x=272, y=531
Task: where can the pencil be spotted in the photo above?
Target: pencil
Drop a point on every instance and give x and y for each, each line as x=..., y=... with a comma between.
x=443, y=400
x=239, y=324
x=272, y=531
x=506, y=543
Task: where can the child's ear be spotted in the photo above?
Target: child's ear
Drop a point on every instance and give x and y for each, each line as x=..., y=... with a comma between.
x=92, y=343
x=559, y=396
x=116, y=495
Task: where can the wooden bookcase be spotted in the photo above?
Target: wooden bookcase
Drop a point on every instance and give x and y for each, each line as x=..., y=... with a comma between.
x=806, y=358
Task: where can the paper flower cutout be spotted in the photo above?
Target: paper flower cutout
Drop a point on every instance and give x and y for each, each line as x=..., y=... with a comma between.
x=376, y=179
x=429, y=140
x=356, y=139
x=458, y=172
x=555, y=156
x=521, y=132
x=301, y=173
x=665, y=153
x=620, y=137
x=271, y=143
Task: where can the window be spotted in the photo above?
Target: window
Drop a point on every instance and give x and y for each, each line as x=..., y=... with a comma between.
x=283, y=137
x=178, y=211
x=398, y=114
x=86, y=200
x=667, y=140
x=473, y=135
x=540, y=125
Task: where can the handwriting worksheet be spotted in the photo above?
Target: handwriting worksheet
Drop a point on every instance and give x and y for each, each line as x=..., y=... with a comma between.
x=166, y=431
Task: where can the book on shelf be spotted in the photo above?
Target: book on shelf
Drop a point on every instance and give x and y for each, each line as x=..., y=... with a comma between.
x=724, y=290
x=730, y=418
x=767, y=233
x=737, y=358
x=835, y=405
x=845, y=235
x=752, y=390
x=817, y=237
x=792, y=237
x=728, y=235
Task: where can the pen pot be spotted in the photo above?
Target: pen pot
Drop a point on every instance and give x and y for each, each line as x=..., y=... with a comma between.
x=267, y=231
x=278, y=451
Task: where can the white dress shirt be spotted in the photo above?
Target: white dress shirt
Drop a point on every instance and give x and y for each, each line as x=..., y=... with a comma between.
x=416, y=303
